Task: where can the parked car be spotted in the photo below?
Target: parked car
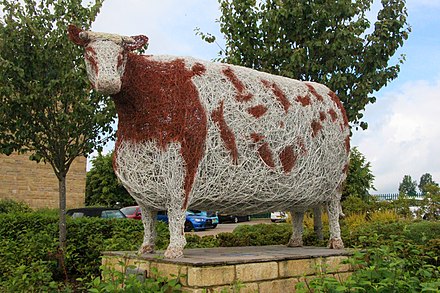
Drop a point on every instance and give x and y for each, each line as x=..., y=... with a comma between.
x=132, y=212
x=278, y=217
x=195, y=220
x=226, y=218
x=99, y=212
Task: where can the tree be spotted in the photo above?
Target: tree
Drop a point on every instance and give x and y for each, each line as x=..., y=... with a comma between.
x=324, y=41
x=102, y=185
x=425, y=181
x=47, y=107
x=359, y=178
x=408, y=186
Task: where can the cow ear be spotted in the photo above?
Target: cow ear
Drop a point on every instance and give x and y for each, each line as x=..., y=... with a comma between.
x=135, y=42
x=75, y=35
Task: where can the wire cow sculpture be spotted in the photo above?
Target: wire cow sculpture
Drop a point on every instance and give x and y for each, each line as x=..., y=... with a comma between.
x=209, y=136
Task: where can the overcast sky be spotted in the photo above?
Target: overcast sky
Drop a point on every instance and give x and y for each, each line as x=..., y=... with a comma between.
x=403, y=137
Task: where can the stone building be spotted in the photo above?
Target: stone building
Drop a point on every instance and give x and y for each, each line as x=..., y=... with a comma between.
x=36, y=184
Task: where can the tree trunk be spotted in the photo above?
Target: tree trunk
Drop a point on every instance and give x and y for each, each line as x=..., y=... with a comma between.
x=62, y=223
x=317, y=222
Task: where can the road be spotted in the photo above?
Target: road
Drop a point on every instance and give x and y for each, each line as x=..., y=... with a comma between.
x=229, y=227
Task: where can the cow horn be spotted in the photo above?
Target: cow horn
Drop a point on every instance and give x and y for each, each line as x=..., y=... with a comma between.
x=84, y=36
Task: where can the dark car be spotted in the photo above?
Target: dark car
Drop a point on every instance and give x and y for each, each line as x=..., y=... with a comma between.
x=227, y=218
x=98, y=212
x=133, y=212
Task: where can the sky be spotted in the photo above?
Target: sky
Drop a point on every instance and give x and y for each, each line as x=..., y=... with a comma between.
x=403, y=136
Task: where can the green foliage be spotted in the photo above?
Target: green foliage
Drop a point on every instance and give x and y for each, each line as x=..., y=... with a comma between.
x=12, y=206
x=44, y=90
x=330, y=42
x=395, y=249
x=261, y=234
x=398, y=267
x=425, y=182
x=359, y=178
x=47, y=107
x=408, y=186
x=103, y=187
x=119, y=281
x=430, y=205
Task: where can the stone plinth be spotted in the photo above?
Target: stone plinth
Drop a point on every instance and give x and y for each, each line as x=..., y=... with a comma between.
x=238, y=269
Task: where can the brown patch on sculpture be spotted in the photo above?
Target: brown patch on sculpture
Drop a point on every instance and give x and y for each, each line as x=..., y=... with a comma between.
x=345, y=169
x=73, y=34
x=256, y=137
x=198, y=68
x=304, y=100
x=257, y=111
x=90, y=56
x=238, y=84
x=341, y=108
x=226, y=133
x=347, y=144
x=314, y=92
x=333, y=115
x=316, y=127
x=148, y=113
x=278, y=93
x=266, y=155
x=322, y=116
x=288, y=158
x=282, y=124
x=120, y=60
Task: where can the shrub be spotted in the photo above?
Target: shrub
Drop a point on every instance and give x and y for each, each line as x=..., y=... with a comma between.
x=116, y=281
x=11, y=206
x=398, y=267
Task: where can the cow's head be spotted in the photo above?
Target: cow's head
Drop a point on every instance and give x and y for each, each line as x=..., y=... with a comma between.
x=106, y=56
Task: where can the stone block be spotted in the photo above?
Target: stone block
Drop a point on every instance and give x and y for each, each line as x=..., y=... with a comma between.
x=257, y=271
x=334, y=264
x=210, y=276
x=297, y=268
x=170, y=271
x=282, y=285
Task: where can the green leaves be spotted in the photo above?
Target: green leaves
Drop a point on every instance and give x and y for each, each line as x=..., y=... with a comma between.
x=47, y=106
x=102, y=186
x=324, y=41
x=359, y=178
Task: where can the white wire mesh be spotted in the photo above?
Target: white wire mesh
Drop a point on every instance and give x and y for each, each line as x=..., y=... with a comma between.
x=299, y=119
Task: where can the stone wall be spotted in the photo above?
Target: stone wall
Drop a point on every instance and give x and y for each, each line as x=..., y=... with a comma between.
x=264, y=269
x=36, y=184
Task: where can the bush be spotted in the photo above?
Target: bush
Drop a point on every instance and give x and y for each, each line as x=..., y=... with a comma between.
x=398, y=267
x=11, y=206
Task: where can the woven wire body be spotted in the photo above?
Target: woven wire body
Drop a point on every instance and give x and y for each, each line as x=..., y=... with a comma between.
x=271, y=143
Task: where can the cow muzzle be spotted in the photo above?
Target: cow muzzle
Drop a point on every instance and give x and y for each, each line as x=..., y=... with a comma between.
x=108, y=86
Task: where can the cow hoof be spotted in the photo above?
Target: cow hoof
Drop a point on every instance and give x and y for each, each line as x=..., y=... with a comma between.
x=335, y=243
x=295, y=243
x=146, y=248
x=173, y=252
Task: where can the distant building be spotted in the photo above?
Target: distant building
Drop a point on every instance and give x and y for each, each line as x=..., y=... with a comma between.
x=36, y=184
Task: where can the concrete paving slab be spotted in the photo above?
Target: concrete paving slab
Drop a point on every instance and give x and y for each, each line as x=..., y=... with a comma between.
x=236, y=255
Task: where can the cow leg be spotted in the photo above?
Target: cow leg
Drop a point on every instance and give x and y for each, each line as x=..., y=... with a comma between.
x=176, y=222
x=297, y=225
x=149, y=221
x=334, y=210
x=317, y=222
